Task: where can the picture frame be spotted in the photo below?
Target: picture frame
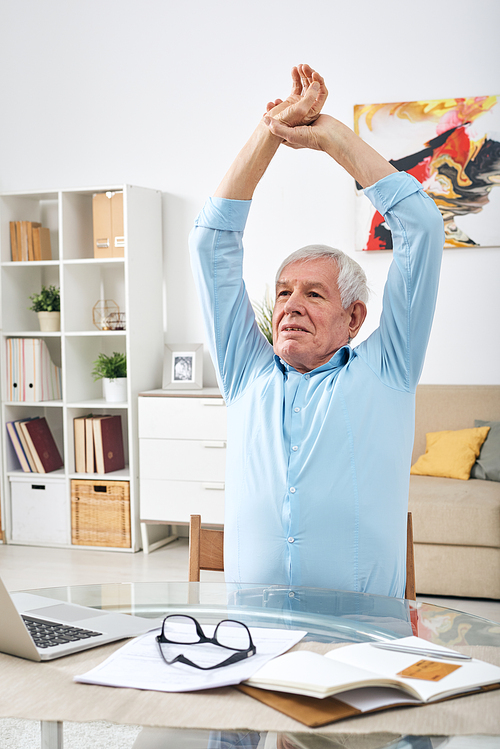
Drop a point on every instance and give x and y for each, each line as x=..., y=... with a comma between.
x=183, y=366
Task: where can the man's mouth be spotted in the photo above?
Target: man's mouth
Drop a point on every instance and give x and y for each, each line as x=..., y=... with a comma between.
x=288, y=328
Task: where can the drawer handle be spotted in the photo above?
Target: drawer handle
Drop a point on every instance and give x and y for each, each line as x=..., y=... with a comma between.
x=214, y=443
x=217, y=485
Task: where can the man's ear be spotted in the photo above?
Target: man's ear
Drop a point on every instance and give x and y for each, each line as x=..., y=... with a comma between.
x=358, y=315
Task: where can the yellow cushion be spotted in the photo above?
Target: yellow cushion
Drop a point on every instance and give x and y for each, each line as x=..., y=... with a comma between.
x=450, y=454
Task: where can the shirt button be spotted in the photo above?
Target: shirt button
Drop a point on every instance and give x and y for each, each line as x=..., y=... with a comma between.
x=295, y=448
x=297, y=409
x=291, y=539
x=291, y=594
x=307, y=376
x=292, y=490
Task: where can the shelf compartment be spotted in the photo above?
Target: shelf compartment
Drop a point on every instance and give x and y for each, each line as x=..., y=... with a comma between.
x=77, y=222
x=41, y=207
x=81, y=353
x=20, y=411
x=74, y=412
x=85, y=285
x=19, y=282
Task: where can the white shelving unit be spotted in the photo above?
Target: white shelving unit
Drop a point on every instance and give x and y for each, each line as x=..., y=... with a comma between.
x=133, y=282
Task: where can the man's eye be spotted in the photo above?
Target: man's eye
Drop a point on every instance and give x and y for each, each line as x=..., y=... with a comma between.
x=314, y=294
x=283, y=293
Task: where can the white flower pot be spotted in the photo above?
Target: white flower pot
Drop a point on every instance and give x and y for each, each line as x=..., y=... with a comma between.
x=115, y=391
x=49, y=321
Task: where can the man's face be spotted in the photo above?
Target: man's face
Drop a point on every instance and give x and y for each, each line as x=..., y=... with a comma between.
x=309, y=322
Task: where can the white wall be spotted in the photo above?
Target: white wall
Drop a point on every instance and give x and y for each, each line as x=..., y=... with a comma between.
x=162, y=94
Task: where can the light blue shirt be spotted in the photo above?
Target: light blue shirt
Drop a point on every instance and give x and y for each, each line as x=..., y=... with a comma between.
x=318, y=464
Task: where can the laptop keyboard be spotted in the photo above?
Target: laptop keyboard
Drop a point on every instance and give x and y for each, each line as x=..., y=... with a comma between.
x=49, y=634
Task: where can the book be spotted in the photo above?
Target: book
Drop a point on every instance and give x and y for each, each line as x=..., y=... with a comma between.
x=18, y=446
x=22, y=438
x=42, y=249
x=13, y=241
x=18, y=241
x=42, y=445
x=23, y=245
x=367, y=678
x=108, y=444
x=79, y=435
x=89, y=445
x=30, y=226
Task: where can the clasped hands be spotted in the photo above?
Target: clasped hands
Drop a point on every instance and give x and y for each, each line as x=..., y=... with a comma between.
x=298, y=120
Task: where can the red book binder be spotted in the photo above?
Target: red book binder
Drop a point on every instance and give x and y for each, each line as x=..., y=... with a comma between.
x=43, y=443
x=108, y=444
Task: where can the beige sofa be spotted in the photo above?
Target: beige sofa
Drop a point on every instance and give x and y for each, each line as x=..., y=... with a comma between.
x=456, y=524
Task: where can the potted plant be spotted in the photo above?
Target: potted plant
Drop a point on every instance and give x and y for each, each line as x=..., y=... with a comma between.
x=112, y=370
x=264, y=315
x=47, y=305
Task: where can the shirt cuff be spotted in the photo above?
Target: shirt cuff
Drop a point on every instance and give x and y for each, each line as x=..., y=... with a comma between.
x=390, y=190
x=224, y=214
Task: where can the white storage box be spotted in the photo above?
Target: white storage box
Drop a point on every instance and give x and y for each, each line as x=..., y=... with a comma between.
x=40, y=510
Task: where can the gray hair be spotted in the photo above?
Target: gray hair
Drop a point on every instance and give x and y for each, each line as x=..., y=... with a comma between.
x=351, y=282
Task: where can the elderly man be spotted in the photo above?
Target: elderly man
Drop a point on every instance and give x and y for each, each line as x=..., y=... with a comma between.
x=319, y=434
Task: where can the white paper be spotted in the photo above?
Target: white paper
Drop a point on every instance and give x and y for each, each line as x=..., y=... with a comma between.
x=139, y=665
x=369, y=698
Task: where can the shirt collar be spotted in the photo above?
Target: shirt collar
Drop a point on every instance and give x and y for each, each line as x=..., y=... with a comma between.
x=338, y=360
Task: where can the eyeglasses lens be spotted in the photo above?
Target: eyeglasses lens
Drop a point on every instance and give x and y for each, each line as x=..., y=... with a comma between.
x=180, y=629
x=233, y=635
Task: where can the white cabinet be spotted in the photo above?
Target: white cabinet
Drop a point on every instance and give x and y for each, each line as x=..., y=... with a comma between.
x=182, y=448
x=134, y=282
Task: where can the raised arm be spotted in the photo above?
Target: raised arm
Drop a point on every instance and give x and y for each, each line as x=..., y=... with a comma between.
x=300, y=108
x=327, y=134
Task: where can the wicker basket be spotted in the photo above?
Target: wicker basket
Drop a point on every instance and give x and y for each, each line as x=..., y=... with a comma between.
x=100, y=513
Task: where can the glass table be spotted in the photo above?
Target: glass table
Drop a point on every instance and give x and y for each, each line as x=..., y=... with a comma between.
x=214, y=718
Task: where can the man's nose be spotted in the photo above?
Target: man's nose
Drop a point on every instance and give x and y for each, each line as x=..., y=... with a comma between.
x=294, y=304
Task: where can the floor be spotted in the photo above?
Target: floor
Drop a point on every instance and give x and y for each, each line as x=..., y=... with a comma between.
x=25, y=567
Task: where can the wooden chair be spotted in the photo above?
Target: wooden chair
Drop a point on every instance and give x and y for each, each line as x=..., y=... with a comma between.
x=410, y=592
x=206, y=552
x=206, y=549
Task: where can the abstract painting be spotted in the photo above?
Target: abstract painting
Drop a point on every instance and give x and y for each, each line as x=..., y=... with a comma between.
x=452, y=146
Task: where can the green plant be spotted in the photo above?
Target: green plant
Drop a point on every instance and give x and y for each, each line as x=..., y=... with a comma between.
x=110, y=367
x=48, y=300
x=264, y=315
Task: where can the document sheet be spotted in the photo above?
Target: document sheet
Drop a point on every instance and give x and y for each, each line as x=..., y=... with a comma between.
x=139, y=665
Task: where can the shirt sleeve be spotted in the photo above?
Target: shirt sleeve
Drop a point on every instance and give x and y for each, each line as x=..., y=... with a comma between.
x=238, y=349
x=396, y=350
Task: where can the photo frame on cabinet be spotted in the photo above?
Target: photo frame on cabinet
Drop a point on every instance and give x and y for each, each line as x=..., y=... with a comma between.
x=183, y=366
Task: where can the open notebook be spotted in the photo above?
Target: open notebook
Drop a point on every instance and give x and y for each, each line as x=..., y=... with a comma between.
x=362, y=678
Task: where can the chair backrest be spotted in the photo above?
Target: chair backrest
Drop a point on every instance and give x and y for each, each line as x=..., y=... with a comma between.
x=206, y=552
x=410, y=592
x=206, y=549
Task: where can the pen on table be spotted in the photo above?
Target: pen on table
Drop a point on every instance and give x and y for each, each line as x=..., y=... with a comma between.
x=447, y=655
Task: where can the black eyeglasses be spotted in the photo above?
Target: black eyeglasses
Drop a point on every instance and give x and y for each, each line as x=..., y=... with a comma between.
x=228, y=634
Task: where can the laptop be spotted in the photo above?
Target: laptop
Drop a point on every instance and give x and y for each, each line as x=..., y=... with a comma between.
x=41, y=629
